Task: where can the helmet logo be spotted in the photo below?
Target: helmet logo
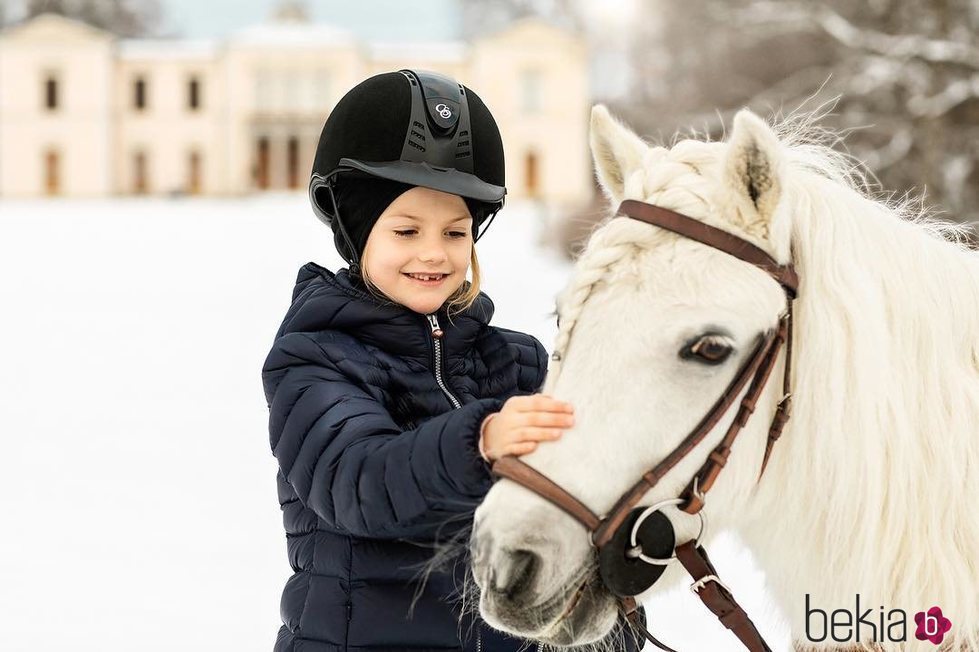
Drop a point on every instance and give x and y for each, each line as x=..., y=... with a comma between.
x=444, y=111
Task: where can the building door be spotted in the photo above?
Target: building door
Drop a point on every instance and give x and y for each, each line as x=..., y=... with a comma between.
x=52, y=172
x=262, y=164
x=194, y=173
x=292, y=161
x=139, y=173
x=531, y=175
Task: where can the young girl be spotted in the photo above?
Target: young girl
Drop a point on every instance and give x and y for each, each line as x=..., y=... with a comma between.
x=389, y=392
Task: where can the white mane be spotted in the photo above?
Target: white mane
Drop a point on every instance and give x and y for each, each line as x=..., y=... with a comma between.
x=872, y=487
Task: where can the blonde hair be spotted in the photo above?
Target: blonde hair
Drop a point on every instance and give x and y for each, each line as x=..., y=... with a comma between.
x=457, y=303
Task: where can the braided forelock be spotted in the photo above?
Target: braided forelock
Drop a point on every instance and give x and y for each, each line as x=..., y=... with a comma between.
x=669, y=177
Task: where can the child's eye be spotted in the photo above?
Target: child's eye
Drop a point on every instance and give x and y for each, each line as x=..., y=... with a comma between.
x=406, y=233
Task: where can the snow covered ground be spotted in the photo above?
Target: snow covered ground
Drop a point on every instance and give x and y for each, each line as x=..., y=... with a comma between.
x=137, y=487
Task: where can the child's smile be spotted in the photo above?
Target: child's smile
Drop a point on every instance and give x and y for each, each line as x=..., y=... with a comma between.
x=427, y=280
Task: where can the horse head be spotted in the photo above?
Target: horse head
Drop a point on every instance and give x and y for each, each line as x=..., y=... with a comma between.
x=653, y=328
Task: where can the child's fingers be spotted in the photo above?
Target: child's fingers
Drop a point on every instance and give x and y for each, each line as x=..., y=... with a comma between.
x=546, y=419
x=538, y=434
x=540, y=403
x=522, y=448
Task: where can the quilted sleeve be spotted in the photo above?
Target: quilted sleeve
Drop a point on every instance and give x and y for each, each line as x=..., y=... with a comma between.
x=349, y=462
x=541, y=366
x=531, y=358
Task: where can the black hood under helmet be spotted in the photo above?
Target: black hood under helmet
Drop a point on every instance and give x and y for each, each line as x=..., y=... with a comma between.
x=415, y=127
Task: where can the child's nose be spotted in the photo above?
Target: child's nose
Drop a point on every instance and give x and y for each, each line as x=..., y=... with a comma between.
x=434, y=253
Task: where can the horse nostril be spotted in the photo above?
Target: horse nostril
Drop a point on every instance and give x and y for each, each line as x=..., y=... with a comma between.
x=523, y=568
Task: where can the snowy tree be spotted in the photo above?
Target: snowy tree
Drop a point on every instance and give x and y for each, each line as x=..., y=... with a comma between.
x=904, y=75
x=126, y=18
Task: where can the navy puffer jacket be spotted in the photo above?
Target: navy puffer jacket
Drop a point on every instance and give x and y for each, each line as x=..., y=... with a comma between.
x=378, y=461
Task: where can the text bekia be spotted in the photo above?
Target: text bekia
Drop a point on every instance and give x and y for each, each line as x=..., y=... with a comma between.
x=843, y=626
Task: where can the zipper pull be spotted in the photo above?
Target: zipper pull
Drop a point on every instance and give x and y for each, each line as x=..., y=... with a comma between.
x=433, y=321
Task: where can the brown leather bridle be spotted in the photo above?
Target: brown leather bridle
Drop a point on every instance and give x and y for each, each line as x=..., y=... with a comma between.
x=755, y=370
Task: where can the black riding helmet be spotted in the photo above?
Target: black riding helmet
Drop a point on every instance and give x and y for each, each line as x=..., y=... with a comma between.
x=414, y=127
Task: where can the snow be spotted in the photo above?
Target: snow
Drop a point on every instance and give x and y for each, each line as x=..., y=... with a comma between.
x=138, y=488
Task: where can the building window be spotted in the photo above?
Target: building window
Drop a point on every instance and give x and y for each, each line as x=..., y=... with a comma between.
x=194, y=173
x=292, y=91
x=262, y=164
x=532, y=175
x=139, y=173
x=139, y=94
x=292, y=161
x=530, y=91
x=51, y=92
x=52, y=172
x=194, y=94
x=322, y=91
x=265, y=88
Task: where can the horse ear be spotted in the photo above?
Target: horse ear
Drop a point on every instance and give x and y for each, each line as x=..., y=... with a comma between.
x=752, y=163
x=616, y=151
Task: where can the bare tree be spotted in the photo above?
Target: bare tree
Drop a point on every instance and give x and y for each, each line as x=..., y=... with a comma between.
x=126, y=18
x=904, y=75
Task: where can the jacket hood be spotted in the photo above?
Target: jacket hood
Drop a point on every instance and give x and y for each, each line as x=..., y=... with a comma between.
x=323, y=300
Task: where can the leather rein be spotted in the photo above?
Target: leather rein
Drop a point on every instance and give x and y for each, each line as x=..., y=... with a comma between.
x=615, y=535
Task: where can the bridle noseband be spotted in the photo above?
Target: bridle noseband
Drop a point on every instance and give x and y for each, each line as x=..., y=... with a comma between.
x=628, y=569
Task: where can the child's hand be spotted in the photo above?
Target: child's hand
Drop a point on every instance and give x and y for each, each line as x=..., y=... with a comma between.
x=521, y=423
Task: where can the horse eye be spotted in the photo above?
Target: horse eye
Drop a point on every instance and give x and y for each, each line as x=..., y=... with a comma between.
x=709, y=349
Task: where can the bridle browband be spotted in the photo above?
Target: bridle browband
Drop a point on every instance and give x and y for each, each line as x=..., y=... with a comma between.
x=615, y=535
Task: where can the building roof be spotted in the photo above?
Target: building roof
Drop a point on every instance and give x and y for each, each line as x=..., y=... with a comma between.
x=449, y=51
x=166, y=49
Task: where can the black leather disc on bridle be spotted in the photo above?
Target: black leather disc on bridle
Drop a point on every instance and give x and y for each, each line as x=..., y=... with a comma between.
x=626, y=575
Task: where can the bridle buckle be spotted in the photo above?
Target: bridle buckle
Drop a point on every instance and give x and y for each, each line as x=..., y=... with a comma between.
x=702, y=582
x=699, y=495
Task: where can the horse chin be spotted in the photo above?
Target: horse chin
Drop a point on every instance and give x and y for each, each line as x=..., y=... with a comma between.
x=587, y=618
x=584, y=614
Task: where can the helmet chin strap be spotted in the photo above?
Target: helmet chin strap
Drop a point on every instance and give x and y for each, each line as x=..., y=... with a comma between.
x=353, y=264
x=485, y=225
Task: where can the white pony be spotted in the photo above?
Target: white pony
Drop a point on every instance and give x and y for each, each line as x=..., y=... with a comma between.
x=873, y=487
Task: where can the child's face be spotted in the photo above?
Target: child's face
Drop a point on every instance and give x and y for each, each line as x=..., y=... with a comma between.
x=421, y=231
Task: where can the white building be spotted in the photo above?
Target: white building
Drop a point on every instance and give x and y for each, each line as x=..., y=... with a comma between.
x=85, y=114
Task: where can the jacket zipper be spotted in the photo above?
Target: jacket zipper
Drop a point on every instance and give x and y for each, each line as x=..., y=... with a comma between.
x=437, y=334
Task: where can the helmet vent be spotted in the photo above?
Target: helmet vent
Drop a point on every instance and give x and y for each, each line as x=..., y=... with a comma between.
x=416, y=135
x=462, y=147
